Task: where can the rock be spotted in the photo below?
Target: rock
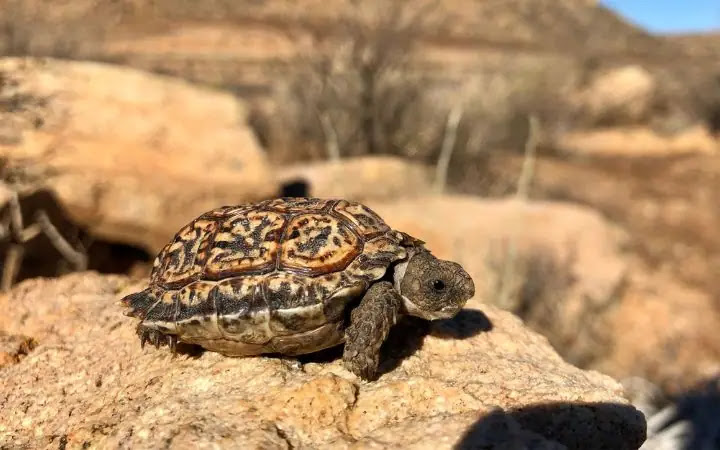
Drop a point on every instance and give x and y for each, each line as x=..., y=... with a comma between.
x=361, y=179
x=558, y=265
x=638, y=141
x=132, y=156
x=619, y=95
x=481, y=378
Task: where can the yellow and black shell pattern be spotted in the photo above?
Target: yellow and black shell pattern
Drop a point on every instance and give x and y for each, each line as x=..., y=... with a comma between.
x=252, y=273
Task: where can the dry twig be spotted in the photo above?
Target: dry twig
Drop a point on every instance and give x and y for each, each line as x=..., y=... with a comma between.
x=443, y=163
x=20, y=236
x=528, y=168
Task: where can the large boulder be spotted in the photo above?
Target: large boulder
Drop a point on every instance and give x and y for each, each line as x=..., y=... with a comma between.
x=638, y=141
x=481, y=379
x=131, y=156
x=361, y=179
x=618, y=95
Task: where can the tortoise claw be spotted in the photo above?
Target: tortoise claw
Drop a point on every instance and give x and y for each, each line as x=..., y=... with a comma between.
x=156, y=339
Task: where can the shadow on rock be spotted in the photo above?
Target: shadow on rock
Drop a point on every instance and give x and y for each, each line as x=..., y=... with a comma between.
x=407, y=337
x=559, y=426
x=466, y=324
x=189, y=350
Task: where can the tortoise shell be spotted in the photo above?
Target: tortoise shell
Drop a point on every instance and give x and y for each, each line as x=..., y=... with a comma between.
x=268, y=276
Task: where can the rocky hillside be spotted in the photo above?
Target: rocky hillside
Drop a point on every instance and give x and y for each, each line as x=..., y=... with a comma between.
x=234, y=43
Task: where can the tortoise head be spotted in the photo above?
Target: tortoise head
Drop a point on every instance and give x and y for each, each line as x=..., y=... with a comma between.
x=432, y=288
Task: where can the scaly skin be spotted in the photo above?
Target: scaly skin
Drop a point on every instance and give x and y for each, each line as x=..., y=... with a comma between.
x=370, y=323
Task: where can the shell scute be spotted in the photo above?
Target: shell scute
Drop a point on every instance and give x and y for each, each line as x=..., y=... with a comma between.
x=196, y=313
x=182, y=260
x=242, y=311
x=195, y=300
x=296, y=205
x=366, y=221
x=245, y=244
x=224, y=212
x=294, y=304
x=317, y=244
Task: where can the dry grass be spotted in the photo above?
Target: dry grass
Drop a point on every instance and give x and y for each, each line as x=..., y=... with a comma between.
x=537, y=285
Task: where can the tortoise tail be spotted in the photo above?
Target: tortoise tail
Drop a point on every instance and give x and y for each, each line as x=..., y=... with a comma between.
x=140, y=303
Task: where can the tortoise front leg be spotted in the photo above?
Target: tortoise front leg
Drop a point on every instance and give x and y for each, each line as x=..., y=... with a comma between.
x=370, y=323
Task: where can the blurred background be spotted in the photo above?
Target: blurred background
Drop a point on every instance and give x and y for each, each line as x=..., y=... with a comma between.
x=565, y=151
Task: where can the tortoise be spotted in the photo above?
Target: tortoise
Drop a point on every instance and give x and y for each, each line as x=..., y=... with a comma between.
x=292, y=276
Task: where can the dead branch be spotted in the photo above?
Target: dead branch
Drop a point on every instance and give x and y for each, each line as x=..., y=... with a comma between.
x=16, y=220
x=331, y=138
x=12, y=226
x=443, y=163
x=528, y=168
x=11, y=266
x=76, y=258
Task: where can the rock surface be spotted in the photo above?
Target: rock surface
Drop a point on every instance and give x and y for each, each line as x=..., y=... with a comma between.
x=14, y=348
x=479, y=379
x=132, y=156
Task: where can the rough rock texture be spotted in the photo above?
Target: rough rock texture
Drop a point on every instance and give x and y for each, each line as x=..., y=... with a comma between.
x=481, y=378
x=559, y=265
x=132, y=156
x=361, y=179
x=14, y=348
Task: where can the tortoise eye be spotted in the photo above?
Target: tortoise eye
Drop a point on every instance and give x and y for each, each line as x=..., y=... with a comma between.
x=438, y=285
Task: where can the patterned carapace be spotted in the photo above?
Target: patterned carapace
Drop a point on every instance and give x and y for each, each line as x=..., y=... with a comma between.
x=249, y=277
x=308, y=236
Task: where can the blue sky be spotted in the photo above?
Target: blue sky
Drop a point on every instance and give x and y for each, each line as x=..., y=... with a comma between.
x=671, y=16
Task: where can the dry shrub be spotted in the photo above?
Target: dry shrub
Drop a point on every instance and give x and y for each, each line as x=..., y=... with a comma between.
x=500, y=102
x=355, y=89
x=531, y=283
x=44, y=28
x=538, y=286
x=362, y=87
